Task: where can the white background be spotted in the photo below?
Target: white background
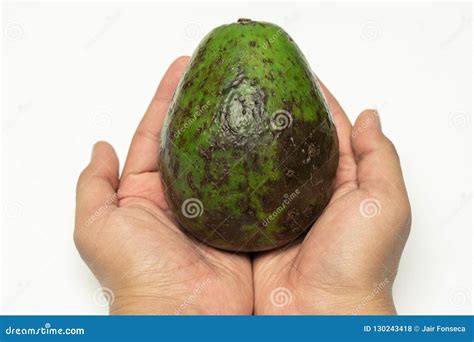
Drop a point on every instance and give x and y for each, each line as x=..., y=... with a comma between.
x=74, y=74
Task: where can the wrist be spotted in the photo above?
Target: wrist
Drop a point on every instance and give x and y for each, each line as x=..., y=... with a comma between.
x=376, y=300
x=133, y=307
x=381, y=304
x=370, y=302
x=365, y=298
x=145, y=301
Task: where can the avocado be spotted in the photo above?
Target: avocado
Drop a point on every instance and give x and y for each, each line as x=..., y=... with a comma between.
x=249, y=150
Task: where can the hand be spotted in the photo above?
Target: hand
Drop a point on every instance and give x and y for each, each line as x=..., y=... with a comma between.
x=125, y=232
x=348, y=261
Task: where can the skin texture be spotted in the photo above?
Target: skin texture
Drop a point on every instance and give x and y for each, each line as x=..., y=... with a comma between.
x=248, y=140
x=127, y=235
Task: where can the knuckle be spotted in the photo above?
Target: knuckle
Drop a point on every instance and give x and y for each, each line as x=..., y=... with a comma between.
x=392, y=149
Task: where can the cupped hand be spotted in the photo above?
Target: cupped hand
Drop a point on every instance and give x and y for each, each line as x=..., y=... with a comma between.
x=125, y=232
x=348, y=261
x=346, y=264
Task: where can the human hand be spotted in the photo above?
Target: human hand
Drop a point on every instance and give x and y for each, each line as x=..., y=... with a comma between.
x=348, y=261
x=125, y=232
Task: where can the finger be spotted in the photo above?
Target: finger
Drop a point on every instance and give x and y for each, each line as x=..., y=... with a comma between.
x=96, y=187
x=347, y=169
x=144, y=149
x=378, y=164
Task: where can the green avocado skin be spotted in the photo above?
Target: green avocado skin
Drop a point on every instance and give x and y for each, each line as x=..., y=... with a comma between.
x=249, y=151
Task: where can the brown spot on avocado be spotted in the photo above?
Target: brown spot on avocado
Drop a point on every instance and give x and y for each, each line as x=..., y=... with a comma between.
x=190, y=181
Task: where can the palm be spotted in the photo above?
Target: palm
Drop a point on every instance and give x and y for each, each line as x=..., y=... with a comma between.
x=155, y=250
x=314, y=262
x=134, y=246
x=128, y=237
x=340, y=250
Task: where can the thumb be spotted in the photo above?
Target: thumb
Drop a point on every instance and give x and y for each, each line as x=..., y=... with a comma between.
x=96, y=188
x=377, y=160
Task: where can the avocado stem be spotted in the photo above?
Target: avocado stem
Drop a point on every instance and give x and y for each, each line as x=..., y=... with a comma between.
x=244, y=20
